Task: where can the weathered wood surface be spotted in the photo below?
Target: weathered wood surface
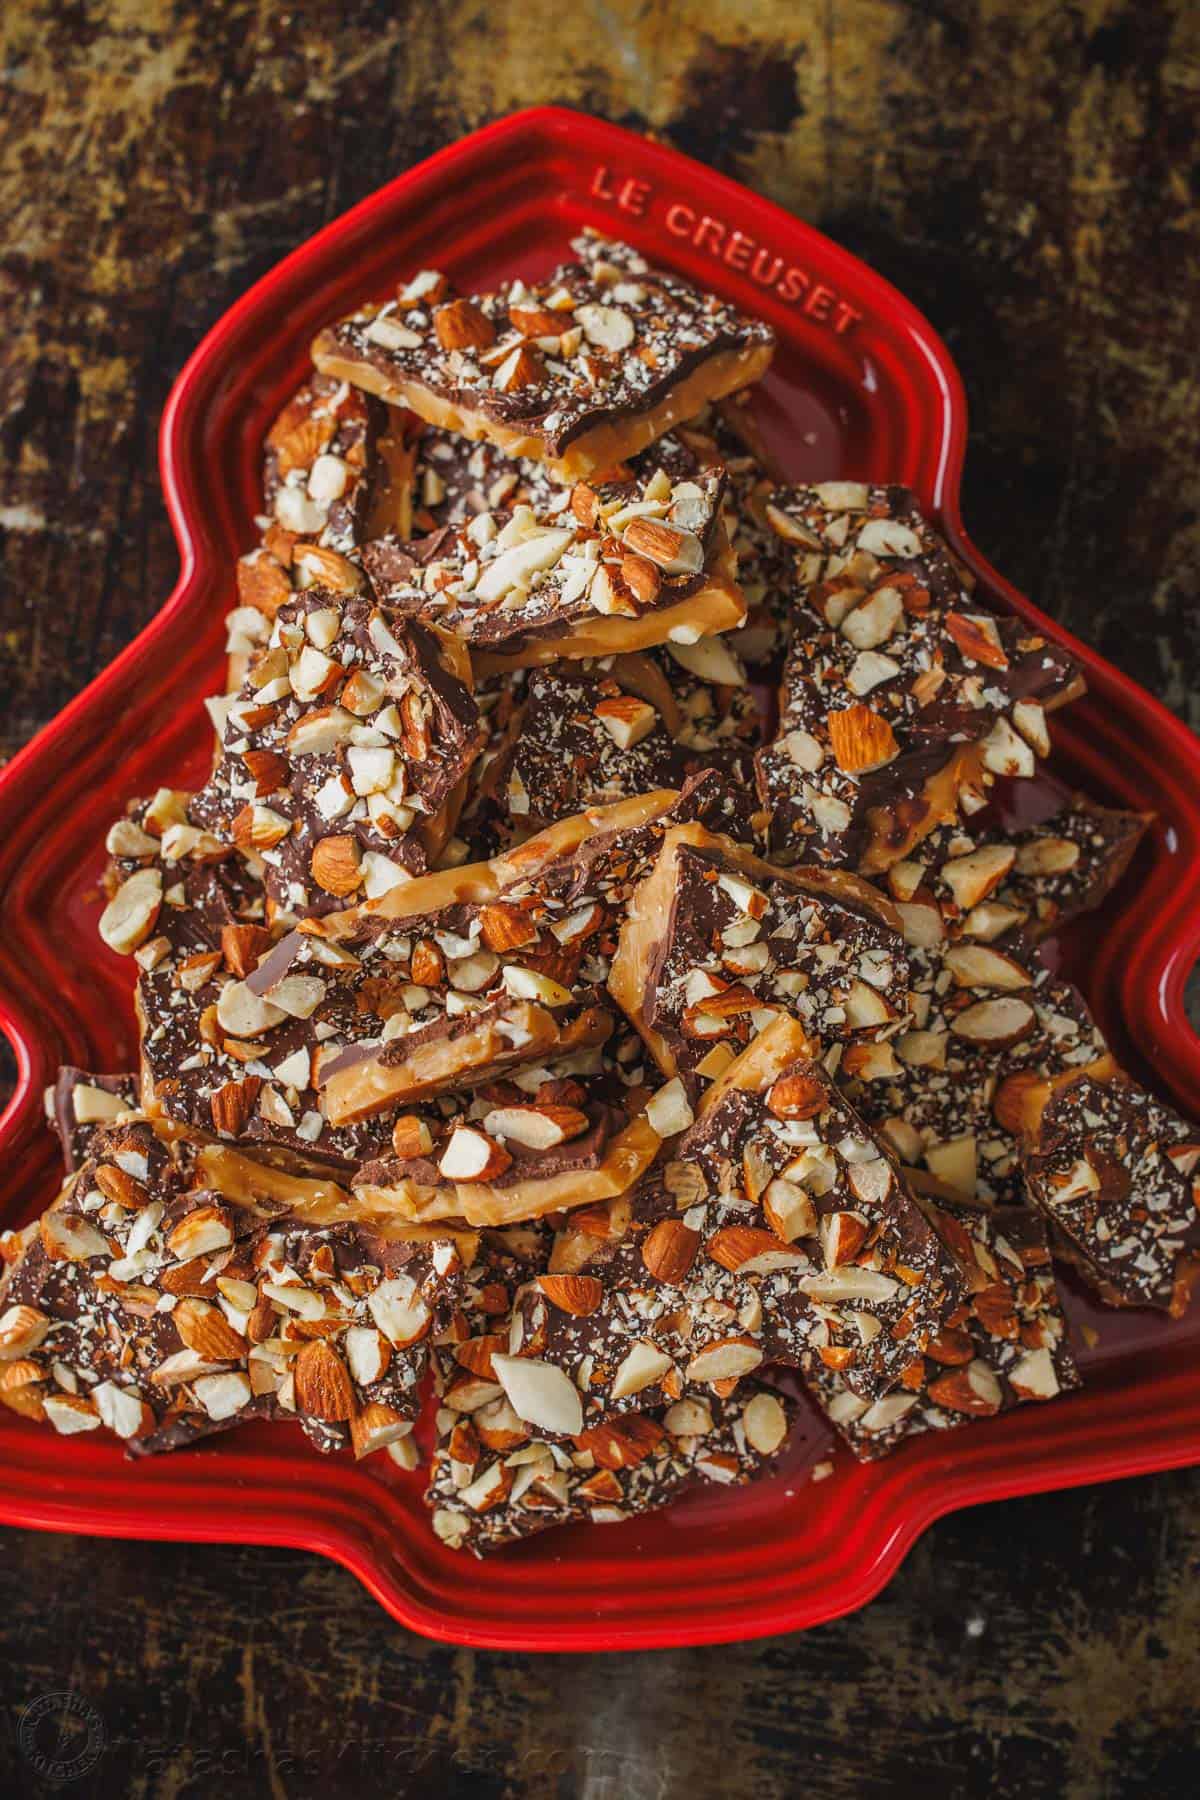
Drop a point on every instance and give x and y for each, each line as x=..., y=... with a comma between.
x=1028, y=173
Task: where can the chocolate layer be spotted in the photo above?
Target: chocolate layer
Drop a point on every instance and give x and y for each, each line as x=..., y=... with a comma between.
x=350, y=734
x=1117, y=1173
x=1005, y=1346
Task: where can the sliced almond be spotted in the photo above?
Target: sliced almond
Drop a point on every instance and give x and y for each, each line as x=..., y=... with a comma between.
x=979, y=966
x=669, y=1111
x=971, y=878
x=874, y=620
x=201, y=1232
x=727, y=1359
x=400, y=1311
x=380, y=1427
x=323, y=1386
x=996, y=1023
x=70, y=1414
x=506, y=926
x=540, y=1393
x=1048, y=856
x=641, y=1366
x=1034, y=1375
x=861, y=739
x=674, y=551
x=747, y=1250
x=66, y=1238
x=977, y=638
x=765, y=1424
x=579, y=1295
x=670, y=1250
x=789, y=1211
x=204, y=1328
x=974, y=1390
x=22, y=1329
x=463, y=325
x=222, y=1396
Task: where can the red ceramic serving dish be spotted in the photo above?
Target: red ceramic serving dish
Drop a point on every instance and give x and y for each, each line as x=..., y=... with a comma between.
x=861, y=387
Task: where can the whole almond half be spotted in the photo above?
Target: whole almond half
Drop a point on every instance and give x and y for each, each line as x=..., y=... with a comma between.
x=577, y=1294
x=205, y=1329
x=461, y=325
x=670, y=1250
x=335, y=865
x=323, y=1386
x=861, y=739
x=622, y=1443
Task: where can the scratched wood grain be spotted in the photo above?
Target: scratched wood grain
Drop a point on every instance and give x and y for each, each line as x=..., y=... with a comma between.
x=1028, y=172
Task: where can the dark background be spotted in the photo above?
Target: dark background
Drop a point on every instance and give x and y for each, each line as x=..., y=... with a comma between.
x=1029, y=173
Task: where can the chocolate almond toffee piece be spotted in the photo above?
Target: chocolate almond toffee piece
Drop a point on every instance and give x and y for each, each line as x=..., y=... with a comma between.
x=982, y=1006
x=78, y=1104
x=306, y=1045
x=597, y=732
x=628, y=563
x=579, y=371
x=455, y=480
x=484, y=1495
x=716, y=942
x=1117, y=1173
x=358, y=1040
x=149, y=1303
x=1060, y=869
x=513, y=1454
x=991, y=885
x=900, y=691
x=779, y=1231
x=1005, y=1345
x=980, y=1013
x=350, y=735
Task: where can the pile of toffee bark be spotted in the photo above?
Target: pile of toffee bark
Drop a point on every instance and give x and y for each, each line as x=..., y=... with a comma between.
x=516, y=1007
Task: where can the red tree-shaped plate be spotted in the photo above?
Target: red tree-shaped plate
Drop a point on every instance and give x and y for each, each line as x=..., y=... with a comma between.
x=861, y=387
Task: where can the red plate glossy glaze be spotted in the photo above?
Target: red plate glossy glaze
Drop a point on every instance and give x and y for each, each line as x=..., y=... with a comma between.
x=861, y=387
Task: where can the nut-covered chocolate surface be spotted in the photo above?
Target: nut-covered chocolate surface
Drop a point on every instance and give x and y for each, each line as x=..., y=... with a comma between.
x=1006, y=1344
x=1117, y=1173
x=779, y=1231
x=149, y=1302
x=340, y=754
x=640, y=559
x=1045, y=1646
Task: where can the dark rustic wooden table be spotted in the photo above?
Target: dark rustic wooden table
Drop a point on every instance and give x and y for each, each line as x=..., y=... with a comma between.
x=1029, y=174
